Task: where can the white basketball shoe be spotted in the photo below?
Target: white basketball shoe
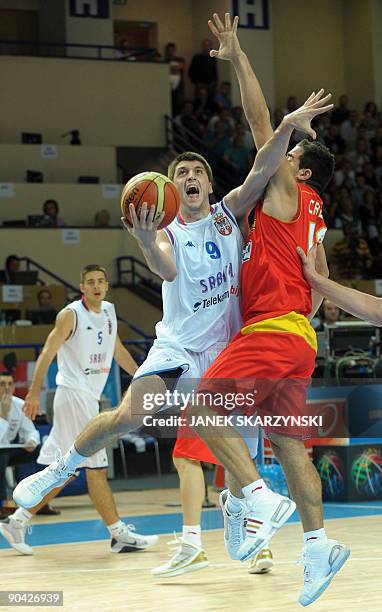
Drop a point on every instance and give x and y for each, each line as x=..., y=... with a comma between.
x=234, y=526
x=263, y=521
x=322, y=560
x=14, y=532
x=185, y=558
x=128, y=540
x=32, y=490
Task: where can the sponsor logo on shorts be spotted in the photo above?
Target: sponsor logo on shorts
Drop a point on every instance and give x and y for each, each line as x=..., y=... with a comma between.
x=217, y=299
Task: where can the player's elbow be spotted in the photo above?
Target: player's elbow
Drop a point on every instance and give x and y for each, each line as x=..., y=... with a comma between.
x=169, y=275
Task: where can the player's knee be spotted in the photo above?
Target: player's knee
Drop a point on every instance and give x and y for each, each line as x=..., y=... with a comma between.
x=122, y=420
x=183, y=464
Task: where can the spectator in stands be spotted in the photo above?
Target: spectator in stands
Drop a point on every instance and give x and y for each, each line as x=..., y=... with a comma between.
x=202, y=106
x=291, y=105
x=249, y=143
x=237, y=155
x=376, y=141
x=360, y=156
x=217, y=142
x=225, y=116
x=176, y=67
x=44, y=299
x=343, y=172
x=351, y=255
x=329, y=314
x=349, y=130
x=203, y=69
x=188, y=120
x=334, y=140
x=359, y=189
x=14, y=426
x=102, y=218
x=346, y=215
x=223, y=98
x=12, y=266
x=369, y=174
x=51, y=219
x=341, y=112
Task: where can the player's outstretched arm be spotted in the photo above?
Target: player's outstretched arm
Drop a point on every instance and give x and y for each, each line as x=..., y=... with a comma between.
x=271, y=157
x=123, y=358
x=58, y=335
x=155, y=245
x=252, y=97
x=321, y=267
x=361, y=305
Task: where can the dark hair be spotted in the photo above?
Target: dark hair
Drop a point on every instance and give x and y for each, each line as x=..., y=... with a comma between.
x=189, y=156
x=317, y=158
x=6, y=373
x=92, y=268
x=50, y=202
x=9, y=259
x=43, y=290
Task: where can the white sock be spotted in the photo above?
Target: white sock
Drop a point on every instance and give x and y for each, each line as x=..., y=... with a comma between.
x=192, y=535
x=234, y=504
x=73, y=458
x=310, y=537
x=115, y=527
x=255, y=490
x=22, y=516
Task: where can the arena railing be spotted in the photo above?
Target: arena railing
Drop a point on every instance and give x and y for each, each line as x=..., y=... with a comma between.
x=52, y=49
x=76, y=293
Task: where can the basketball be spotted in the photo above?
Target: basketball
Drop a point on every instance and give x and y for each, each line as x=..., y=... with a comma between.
x=155, y=189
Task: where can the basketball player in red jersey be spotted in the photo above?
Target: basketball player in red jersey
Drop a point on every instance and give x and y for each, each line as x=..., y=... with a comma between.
x=274, y=353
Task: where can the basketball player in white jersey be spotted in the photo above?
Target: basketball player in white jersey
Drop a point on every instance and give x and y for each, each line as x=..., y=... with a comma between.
x=85, y=340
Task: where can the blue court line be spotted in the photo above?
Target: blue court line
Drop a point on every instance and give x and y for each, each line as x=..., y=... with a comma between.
x=93, y=530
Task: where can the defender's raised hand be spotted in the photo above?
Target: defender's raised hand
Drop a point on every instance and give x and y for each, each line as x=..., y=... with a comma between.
x=315, y=105
x=226, y=34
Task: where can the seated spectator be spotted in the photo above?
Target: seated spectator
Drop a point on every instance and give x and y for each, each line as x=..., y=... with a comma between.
x=176, y=68
x=188, y=120
x=218, y=141
x=369, y=174
x=249, y=143
x=360, y=188
x=202, y=106
x=225, y=116
x=351, y=255
x=44, y=299
x=369, y=220
x=360, y=156
x=341, y=112
x=238, y=156
x=334, y=140
x=349, y=130
x=223, y=98
x=12, y=266
x=329, y=314
x=14, y=425
x=291, y=105
x=346, y=215
x=45, y=313
x=376, y=141
x=102, y=218
x=51, y=219
x=344, y=171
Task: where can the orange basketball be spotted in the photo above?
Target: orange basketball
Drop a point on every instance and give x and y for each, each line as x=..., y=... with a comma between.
x=155, y=189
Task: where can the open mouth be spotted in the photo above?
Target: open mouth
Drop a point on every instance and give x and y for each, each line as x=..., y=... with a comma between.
x=192, y=190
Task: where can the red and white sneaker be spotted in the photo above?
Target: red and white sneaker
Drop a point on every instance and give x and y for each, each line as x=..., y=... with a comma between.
x=263, y=521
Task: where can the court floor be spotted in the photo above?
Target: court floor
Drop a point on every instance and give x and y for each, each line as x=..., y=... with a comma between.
x=72, y=554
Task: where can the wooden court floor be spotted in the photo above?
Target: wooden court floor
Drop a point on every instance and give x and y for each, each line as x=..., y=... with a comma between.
x=95, y=580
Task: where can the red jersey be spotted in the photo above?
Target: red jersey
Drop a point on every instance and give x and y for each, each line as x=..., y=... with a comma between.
x=272, y=281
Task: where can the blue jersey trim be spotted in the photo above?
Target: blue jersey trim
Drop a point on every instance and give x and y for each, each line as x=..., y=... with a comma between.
x=228, y=213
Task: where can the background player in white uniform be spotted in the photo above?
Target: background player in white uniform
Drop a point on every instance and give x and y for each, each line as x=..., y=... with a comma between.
x=85, y=340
